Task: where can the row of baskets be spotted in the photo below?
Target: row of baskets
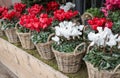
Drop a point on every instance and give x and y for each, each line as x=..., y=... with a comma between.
x=67, y=62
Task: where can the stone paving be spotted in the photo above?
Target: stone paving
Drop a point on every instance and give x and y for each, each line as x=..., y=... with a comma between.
x=5, y=72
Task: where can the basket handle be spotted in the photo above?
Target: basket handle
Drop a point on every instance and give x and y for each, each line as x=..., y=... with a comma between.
x=83, y=16
x=88, y=48
x=49, y=37
x=16, y=25
x=116, y=68
x=84, y=44
x=87, y=13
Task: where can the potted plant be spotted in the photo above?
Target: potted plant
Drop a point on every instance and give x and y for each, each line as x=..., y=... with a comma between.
x=102, y=59
x=111, y=10
x=10, y=18
x=41, y=37
x=3, y=11
x=27, y=23
x=24, y=32
x=68, y=47
x=91, y=13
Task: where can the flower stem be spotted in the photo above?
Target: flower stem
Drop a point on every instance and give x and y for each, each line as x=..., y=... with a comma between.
x=111, y=50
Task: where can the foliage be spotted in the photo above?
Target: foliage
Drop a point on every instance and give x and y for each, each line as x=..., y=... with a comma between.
x=40, y=37
x=67, y=46
x=95, y=12
x=22, y=29
x=55, y=23
x=7, y=26
x=104, y=61
x=115, y=16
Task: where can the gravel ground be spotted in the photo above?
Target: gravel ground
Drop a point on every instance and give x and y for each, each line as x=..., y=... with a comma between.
x=5, y=72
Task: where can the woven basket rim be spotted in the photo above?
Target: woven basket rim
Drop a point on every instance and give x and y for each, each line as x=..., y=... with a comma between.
x=24, y=33
x=68, y=54
x=10, y=29
x=111, y=71
x=46, y=43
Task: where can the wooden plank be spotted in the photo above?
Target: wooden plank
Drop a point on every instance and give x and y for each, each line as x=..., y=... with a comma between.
x=23, y=64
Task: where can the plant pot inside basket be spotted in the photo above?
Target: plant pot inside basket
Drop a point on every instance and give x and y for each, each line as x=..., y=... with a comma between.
x=11, y=35
x=69, y=62
x=25, y=39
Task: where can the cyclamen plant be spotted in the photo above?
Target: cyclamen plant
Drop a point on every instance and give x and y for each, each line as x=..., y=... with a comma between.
x=65, y=36
x=52, y=6
x=40, y=28
x=111, y=5
x=35, y=9
x=103, y=38
x=111, y=10
x=34, y=23
x=104, y=53
x=11, y=17
x=61, y=15
x=100, y=22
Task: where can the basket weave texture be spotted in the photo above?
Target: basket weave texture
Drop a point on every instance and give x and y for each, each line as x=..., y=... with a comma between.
x=69, y=62
x=25, y=39
x=95, y=73
x=11, y=35
x=45, y=51
x=1, y=33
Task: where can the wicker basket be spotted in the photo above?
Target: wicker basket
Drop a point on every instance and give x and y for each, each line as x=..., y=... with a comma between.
x=95, y=73
x=45, y=50
x=69, y=62
x=11, y=35
x=85, y=17
x=1, y=33
x=25, y=40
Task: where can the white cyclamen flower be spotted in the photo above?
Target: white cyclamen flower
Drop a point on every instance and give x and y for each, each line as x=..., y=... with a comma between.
x=118, y=40
x=101, y=37
x=112, y=40
x=68, y=6
x=68, y=29
x=56, y=39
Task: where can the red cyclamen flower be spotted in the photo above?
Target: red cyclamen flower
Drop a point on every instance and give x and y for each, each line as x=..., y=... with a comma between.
x=19, y=7
x=52, y=6
x=61, y=15
x=36, y=9
x=100, y=22
x=3, y=11
x=12, y=15
x=33, y=23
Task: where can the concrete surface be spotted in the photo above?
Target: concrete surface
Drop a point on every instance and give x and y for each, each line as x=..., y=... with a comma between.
x=5, y=72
